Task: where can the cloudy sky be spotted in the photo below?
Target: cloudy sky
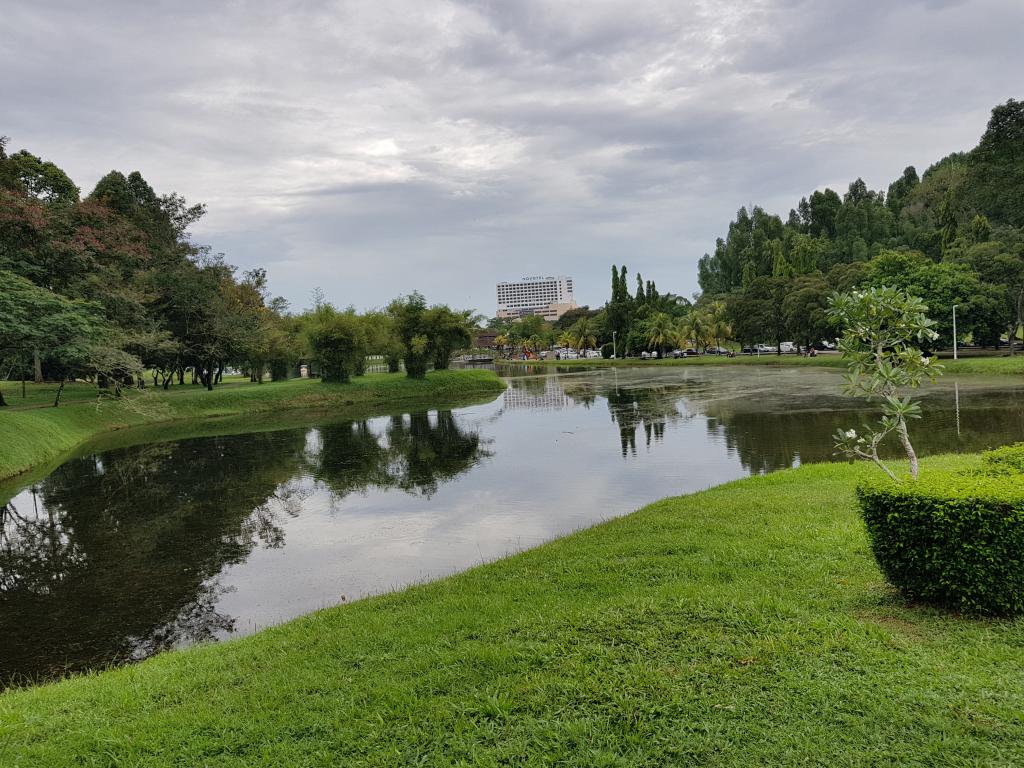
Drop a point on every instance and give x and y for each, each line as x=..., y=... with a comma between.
x=373, y=148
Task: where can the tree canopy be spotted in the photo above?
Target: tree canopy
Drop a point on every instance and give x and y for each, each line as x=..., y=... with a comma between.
x=952, y=236
x=110, y=285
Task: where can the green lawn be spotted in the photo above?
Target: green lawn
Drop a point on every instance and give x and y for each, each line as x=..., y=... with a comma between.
x=1013, y=366
x=33, y=436
x=42, y=395
x=745, y=625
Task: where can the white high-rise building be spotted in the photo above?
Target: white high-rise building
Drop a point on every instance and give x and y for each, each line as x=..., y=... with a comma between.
x=549, y=297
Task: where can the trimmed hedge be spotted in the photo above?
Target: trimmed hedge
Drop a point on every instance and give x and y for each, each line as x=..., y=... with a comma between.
x=952, y=540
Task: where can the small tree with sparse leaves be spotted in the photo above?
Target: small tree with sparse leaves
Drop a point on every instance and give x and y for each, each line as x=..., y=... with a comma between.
x=882, y=330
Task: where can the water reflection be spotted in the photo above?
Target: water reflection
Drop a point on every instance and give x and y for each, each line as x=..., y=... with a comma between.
x=121, y=554
x=775, y=419
x=768, y=435
x=116, y=556
x=649, y=409
x=416, y=453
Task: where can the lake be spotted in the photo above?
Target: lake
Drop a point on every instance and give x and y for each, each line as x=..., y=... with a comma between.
x=122, y=553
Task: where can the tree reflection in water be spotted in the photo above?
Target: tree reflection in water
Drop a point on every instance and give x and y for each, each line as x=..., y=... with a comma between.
x=769, y=430
x=413, y=453
x=581, y=391
x=426, y=454
x=648, y=408
x=116, y=556
x=769, y=436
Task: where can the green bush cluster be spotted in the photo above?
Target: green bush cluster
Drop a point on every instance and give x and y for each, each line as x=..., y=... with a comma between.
x=953, y=540
x=339, y=343
x=1004, y=461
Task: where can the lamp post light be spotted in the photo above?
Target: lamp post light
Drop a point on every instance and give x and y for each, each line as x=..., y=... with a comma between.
x=615, y=351
x=954, y=334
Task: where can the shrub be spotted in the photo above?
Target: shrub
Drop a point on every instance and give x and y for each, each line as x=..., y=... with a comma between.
x=339, y=344
x=408, y=315
x=955, y=541
x=607, y=350
x=1003, y=461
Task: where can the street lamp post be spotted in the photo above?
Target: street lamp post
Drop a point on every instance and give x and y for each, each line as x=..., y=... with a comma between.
x=615, y=351
x=954, y=334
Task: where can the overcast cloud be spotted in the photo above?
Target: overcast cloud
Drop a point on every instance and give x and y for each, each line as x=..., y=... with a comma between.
x=373, y=148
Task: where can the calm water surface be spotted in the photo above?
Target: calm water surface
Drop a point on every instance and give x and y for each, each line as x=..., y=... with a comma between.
x=120, y=554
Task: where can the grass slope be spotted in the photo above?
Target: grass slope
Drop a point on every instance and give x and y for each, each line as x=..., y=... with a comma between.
x=745, y=625
x=42, y=395
x=34, y=436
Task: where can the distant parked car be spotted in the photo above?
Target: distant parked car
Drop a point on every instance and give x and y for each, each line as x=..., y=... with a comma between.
x=748, y=350
x=765, y=349
x=690, y=352
x=592, y=353
x=716, y=351
x=788, y=347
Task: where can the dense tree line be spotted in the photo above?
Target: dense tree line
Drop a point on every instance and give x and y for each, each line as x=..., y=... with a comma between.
x=111, y=288
x=953, y=236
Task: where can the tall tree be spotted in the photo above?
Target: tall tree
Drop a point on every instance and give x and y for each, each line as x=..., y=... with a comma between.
x=996, y=167
x=662, y=333
x=338, y=341
x=35, y=177
x=805, y=309
x=939, y=286
x=408, y=313
x=448, y=331
x=70, y=334
x=618, y=309
x=901, y=189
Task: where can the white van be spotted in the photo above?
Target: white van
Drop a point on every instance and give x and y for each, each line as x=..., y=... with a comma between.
x=788, y=346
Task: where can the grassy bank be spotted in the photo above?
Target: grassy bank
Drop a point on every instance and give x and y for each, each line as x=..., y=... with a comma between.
x=745, y=625
x=994, y=366
x=36, y=436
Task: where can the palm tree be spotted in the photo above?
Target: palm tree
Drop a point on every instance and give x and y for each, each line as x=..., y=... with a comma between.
x=719, y=328
x=661, y=332
x=584, y=335
x=515, y=338
x=501, y=341
x=694, y=327
x=534, y=344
